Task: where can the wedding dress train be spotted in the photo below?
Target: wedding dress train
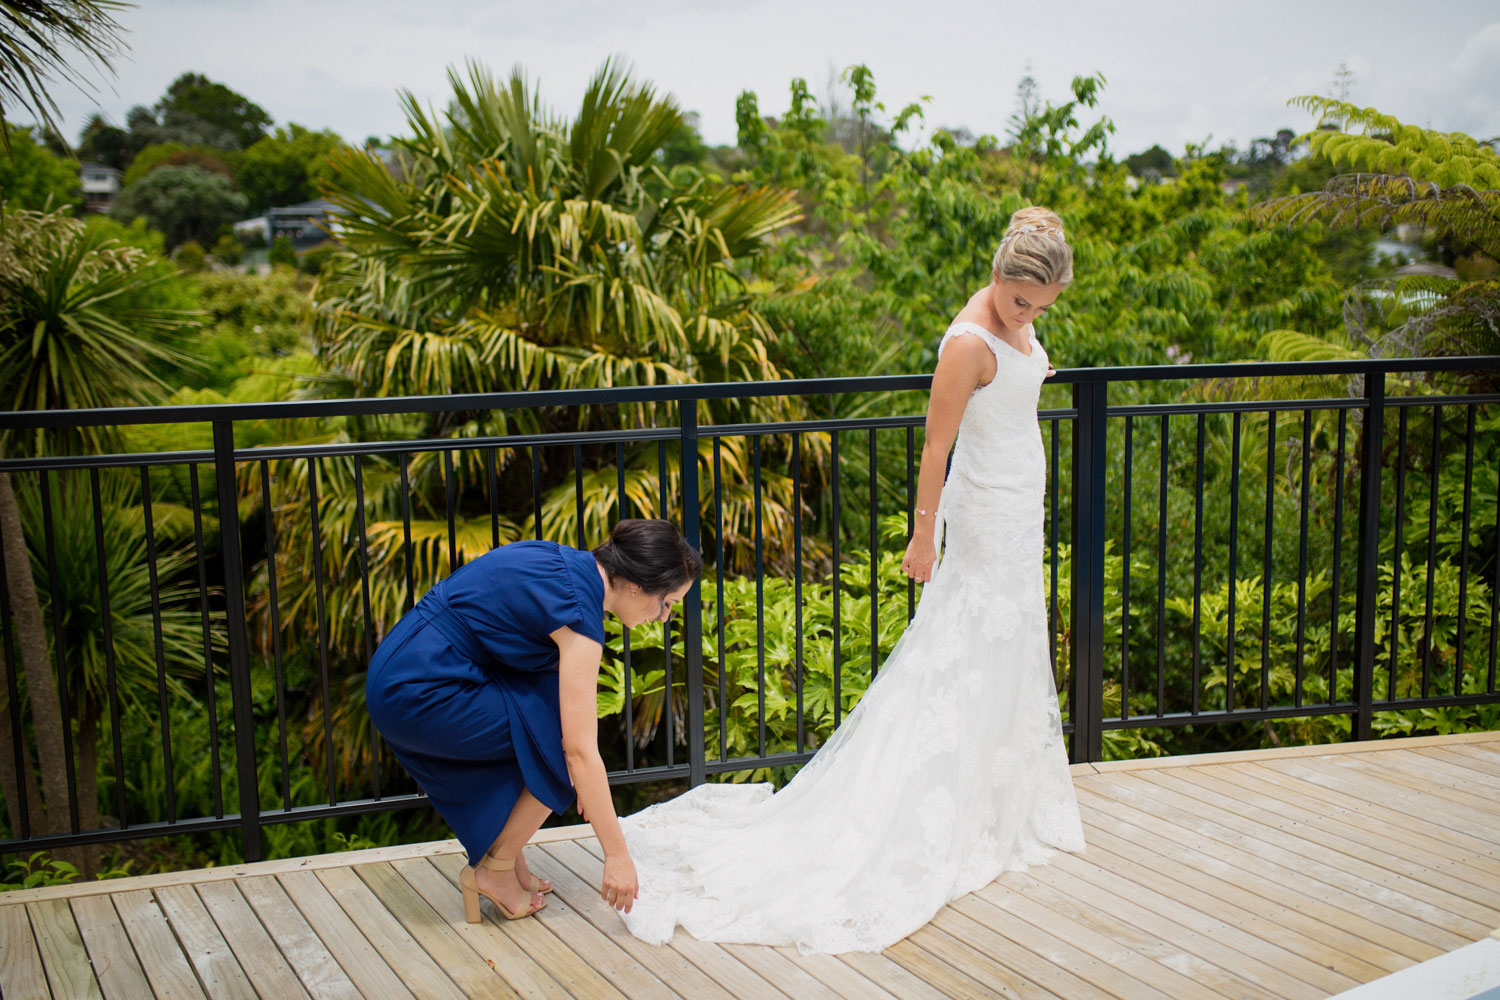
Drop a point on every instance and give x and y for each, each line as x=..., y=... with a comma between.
x=949, y=771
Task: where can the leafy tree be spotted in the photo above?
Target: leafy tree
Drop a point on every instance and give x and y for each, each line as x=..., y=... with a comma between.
x=174, y=154
x=1052, y=146
x=193, y=101
x=286, y=167
x=185, y=203
x=32, y=177
x=282, y=252
x=1156, y=160
x=68, y=339
x=37, y=39
x=104, y=143
x=229, y=250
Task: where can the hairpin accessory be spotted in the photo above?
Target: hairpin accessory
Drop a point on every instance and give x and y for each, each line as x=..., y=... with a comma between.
x=1032, y=227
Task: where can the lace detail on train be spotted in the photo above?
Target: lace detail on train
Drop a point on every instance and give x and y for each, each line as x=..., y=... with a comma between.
x=949, y=771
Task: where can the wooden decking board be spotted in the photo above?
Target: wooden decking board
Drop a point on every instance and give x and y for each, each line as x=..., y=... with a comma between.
x=259, y=958
x=1263, y=908
x=1315, y=859
x=162, y=959
x=1196, y=943
x=676, y=972
x=21, y=974
x=520, y=971
x=1398, y=798
x=1400, y=825
x=218, y=970
x=1365, y=836
x=1436, y=887
x=1281, y=874
x=565, y=965
x=110, y=951
x=1190, y=829
x=471, y=974
x=958, y=920
x=63, y=953
x=369, y=973
x=317, y=969
x=584, y=858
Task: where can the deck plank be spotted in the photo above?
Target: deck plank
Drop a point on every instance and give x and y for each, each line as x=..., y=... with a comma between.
x=364, y=966
x=118, y=970
x=162, y=960
x=893, y=977
x=1485, y=758
x=942, y=975
x=317, y=969
x=1200, y=832
x=21, y=974
x=571, y=970
x=218, y=970
x=958, y=920
x=63, y=953
x=418, y=972
x=261, y=960
x=585, y=859
x=521, y=972
x=470, y=973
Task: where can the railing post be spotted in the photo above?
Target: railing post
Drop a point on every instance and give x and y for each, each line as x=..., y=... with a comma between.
x=238, y=638
x=1367, y=586
x=692, y=604
x=1087, y=646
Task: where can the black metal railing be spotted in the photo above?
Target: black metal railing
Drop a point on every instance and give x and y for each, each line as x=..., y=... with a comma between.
x=271, y=580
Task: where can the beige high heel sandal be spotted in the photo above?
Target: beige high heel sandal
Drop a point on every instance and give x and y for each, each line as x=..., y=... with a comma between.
x=472, y=892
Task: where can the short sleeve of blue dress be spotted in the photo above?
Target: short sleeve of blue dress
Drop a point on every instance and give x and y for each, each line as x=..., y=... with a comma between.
x=513, y=599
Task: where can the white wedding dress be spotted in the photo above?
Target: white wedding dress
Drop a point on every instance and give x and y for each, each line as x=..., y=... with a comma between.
x=949, y=771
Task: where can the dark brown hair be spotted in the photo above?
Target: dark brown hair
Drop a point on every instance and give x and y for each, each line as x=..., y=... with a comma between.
x=652, y=554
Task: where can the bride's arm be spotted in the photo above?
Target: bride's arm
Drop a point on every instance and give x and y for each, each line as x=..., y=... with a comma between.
x=578, y=687
x=957, y=376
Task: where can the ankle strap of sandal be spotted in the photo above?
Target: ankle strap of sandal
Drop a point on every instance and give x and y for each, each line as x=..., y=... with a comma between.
x=497, y=864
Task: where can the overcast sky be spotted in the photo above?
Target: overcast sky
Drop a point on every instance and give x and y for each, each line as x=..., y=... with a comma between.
x=1178, y=71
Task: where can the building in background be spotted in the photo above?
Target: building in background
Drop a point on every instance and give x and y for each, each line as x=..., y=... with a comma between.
x=101, y=186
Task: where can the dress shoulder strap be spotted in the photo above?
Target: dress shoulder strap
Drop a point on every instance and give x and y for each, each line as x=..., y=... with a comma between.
x=965, y=327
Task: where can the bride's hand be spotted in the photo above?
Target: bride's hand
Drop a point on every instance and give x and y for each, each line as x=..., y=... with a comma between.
x=920, y=555
x=620, y=887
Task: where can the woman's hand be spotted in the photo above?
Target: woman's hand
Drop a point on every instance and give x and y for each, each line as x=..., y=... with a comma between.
x=920, y=555
x=620, y=888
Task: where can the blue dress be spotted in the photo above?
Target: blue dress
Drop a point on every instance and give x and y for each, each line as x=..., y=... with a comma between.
x=464, y=688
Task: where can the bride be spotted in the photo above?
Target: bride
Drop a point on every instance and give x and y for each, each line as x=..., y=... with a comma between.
x=951, y=768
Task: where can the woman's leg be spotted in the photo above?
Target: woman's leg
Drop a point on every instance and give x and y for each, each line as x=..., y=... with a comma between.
x=525, y=819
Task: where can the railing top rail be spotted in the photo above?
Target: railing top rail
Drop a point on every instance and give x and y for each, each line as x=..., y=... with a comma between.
x=623, y=395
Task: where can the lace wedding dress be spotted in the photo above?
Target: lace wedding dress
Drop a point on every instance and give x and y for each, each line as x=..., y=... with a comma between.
x=949, y=771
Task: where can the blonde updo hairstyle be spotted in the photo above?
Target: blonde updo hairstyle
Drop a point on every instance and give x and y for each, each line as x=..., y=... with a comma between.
x=1034, y=250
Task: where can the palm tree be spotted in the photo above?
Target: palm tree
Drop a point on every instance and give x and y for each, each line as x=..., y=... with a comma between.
x=69, y=338
x=35, y=38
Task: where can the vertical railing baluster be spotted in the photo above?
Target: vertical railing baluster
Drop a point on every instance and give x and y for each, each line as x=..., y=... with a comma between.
x=106, y=620
x=719, y=597
x=796, y=580
x=874, y=565
x=1432, y=507
x=623, y=503
x=162, y=707
x=59, y=650
x=536, y=491
x=911, y=513
x=368, y=631
x=1053, y=472
x=274, y=607
x=1268, y=560
x=1336, y=591
x=692, y=605
x=838, y=644
x=451, y=509
x=491, y=459
x=760, y=600
x=1125, y=573
x=411, y=580
x=1161, y=570
x=211, y=692
x=13, y=705
x=1302, y=554
x=1398, y=551
x=1463, y=560
x=1366, y=601
x=1090, y=463
x=582, y=538
x=1230, y=646
x=1198, y=569
x=669, y=676
x=239, y=640
x=319, y=605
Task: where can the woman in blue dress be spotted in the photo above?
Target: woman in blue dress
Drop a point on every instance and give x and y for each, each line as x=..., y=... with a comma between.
x=486, y=692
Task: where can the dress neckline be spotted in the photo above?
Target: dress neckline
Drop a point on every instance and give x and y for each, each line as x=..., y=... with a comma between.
x=990, y=335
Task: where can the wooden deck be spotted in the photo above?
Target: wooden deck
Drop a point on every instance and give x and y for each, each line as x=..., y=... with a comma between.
x=1279, y=874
